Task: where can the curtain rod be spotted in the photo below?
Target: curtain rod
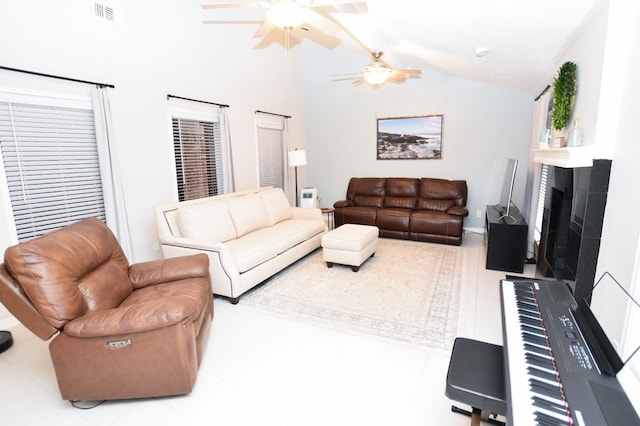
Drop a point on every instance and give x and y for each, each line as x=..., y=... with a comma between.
x=197, y=100
x=272, y=113
x=542, y=93
x=58, y=77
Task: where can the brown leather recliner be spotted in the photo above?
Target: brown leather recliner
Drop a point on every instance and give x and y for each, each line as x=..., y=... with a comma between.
x=120, y=331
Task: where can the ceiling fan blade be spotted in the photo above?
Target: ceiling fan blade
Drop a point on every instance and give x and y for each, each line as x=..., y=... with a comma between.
x=342, y=6
x=231, y=5
x=317, y=36
x=396, y=78
x=266, y=27
x=327, y=15
x=320, y=22
x=408, y=71
x=338, y=78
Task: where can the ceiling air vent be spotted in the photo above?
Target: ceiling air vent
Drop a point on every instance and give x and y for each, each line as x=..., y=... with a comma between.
x=107, y=13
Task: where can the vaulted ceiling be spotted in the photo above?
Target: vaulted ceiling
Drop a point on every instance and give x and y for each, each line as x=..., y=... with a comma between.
x=523, y=38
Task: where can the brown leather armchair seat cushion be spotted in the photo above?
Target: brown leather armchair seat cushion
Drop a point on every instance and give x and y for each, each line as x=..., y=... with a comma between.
x=422, y=209
x=121, y=331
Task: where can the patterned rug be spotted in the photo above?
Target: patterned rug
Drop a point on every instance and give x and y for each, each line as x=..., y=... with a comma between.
x=409, y=291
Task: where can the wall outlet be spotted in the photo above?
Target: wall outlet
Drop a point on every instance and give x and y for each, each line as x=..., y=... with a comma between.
x=478, y=213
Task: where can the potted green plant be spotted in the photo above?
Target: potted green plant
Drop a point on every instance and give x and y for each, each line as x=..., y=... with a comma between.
x=564, y=91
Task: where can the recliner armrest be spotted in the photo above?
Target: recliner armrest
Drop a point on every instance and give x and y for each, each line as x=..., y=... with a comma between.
x=344, y=203
x=135, y=318
x=172, y=269
x=458, y=211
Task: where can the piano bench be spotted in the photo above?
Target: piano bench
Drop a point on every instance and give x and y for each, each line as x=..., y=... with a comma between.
x=476, y=378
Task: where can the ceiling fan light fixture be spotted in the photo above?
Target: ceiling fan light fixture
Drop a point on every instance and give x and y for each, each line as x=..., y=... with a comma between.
x=377, y=74
x=286, y=15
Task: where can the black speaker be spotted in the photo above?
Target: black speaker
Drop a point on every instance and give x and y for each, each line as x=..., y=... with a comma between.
x=5, y=341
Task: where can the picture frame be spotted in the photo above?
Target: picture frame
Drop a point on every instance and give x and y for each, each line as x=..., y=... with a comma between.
x=410, y=138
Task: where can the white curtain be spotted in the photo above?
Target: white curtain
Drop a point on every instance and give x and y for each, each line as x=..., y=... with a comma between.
x=115, y=206
x=532, y=194
x=225, y=134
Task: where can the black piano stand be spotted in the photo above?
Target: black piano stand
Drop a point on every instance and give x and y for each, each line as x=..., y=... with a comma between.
x=477, y=413
x=476, y=378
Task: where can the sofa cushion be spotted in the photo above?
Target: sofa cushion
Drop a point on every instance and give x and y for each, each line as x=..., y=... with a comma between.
x=366, y=192
x=276, y=204
x=289, y=233
x=248, y=213
x=444, y=189
x=208, y=221
x=251, y=250
x=441, y=205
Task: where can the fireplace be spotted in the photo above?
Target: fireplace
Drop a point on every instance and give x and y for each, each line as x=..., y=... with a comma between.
x=572, y=224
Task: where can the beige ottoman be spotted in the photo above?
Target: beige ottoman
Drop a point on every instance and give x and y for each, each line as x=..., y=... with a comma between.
x=349, y=244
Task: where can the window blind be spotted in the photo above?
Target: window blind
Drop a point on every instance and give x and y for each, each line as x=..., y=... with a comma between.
x=271, y=156
x=198, y=155
x=50, y=159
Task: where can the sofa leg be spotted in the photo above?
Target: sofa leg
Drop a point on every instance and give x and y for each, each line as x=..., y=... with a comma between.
x=355, y=268
x=234, y=300
x=329, y=264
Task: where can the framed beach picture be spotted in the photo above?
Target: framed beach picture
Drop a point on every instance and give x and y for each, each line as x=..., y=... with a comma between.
x=410, y=138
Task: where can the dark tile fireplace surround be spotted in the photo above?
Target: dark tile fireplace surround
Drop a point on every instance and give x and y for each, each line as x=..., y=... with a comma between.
x=572, y=224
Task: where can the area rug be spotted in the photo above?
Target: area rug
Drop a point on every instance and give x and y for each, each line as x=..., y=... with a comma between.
x=409, y=291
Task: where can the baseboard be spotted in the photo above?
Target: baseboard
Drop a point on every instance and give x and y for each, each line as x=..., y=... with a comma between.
x=474, y=230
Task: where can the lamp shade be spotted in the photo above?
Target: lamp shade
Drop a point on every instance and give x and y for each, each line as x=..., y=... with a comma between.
x=297, y=158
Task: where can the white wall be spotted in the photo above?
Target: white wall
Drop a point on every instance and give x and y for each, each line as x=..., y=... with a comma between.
x=620, y=244
x=483, y=126
x=162, y=48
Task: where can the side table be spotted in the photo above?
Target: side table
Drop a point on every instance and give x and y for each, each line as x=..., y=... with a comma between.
x=329, y=211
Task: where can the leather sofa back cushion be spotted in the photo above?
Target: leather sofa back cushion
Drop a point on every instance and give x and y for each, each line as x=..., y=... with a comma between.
x=72, y=271
x=366, y=192
x=435, y=204
x=248, y=213
x=444, y=189
x=401, y=192
x=368, y=201
x=277, y=205
x=209, y=221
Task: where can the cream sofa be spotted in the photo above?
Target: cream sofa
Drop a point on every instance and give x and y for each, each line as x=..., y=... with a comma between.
x=248, y=235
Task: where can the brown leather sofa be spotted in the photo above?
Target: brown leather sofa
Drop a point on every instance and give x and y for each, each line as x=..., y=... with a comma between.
x=120, y=331
x=421, y=209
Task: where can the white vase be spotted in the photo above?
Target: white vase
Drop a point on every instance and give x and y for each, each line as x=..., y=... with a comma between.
x=576, y=134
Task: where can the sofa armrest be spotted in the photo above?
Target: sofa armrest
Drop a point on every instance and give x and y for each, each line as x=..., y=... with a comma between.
x=219, y=253
x=344, y=203
x=166, y=270
x=306, y=213
x=458, y=211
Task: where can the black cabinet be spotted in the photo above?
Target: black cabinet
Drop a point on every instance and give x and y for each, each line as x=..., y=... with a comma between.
x=505, y=239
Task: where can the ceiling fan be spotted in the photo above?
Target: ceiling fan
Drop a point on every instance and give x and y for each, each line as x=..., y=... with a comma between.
x=289, y=21
x=379, y=72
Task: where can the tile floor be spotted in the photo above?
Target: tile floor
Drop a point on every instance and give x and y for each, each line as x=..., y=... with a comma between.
x=262, y=369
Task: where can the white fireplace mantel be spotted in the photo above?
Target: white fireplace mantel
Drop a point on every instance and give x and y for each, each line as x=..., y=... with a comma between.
x=579, y=156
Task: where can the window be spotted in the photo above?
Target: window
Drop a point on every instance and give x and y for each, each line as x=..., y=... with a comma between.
x=271, y=154
x=272, y=139
x=194, y=143
x=200, y=151
x=50, y=159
